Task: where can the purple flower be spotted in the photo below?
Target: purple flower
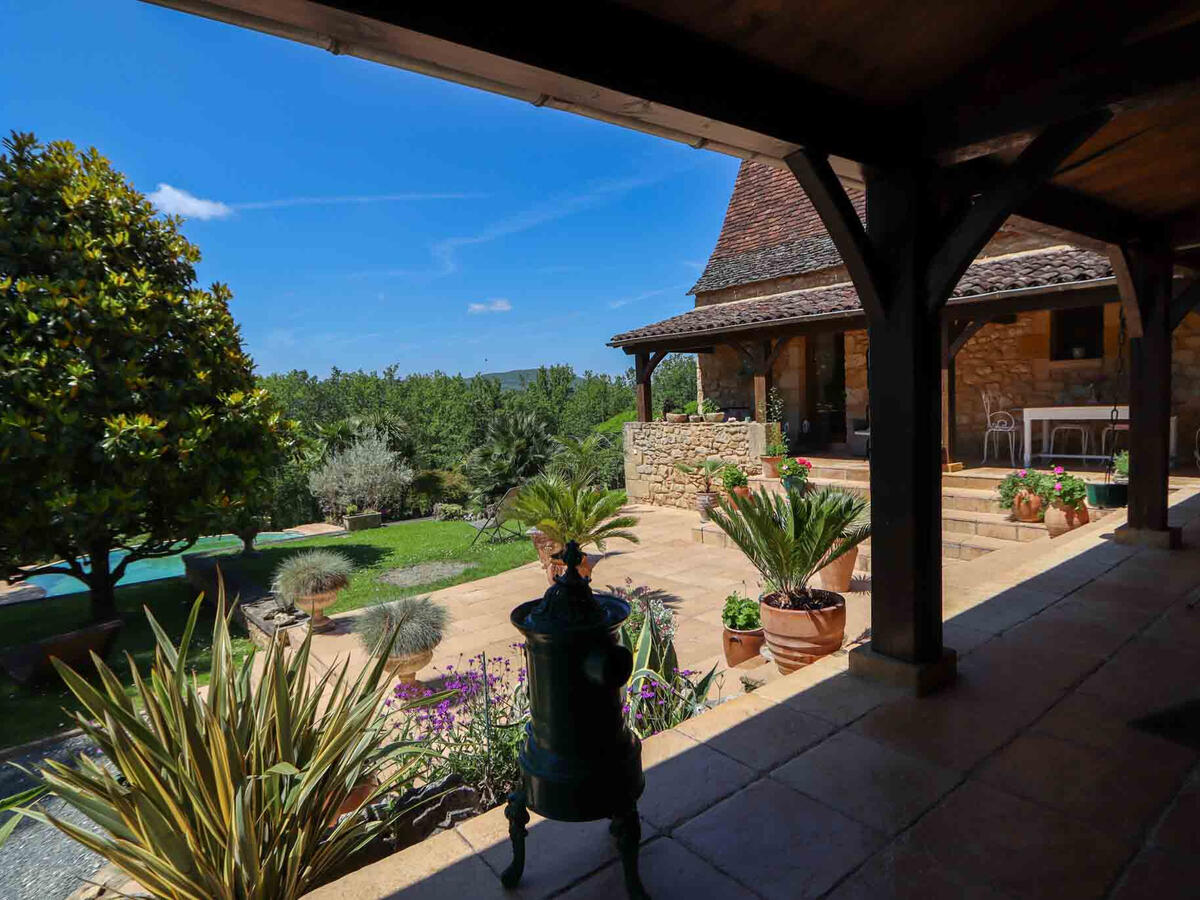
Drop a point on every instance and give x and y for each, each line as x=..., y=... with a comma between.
x=1058, y=485
x=1023, y=473
x=1058, y=470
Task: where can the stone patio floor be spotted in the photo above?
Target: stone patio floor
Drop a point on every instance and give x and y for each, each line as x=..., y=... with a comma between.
x=1025, y=779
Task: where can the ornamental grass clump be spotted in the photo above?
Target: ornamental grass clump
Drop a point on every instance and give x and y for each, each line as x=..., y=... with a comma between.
x=233, y=794
x=789, y=537
x=403, y=627
x=311, y=572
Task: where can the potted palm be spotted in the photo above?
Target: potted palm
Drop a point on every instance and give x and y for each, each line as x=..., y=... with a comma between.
x=735, y=481
x=788, y=538
x=565, y=509
x=1114, y=490
x=775, y=451
x=742, y=637
x=1067, y=509
x=794, y=472
x=405, y=630
x=311, y=580
x=705, y=472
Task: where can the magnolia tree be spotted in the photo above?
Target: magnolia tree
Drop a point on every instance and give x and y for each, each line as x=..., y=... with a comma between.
x=129, y=419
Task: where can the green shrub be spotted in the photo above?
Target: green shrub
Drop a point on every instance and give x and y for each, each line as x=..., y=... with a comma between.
x=516, y=447
x=230, y=793
x=733, y=477
x=776, y=448
x=449, y=511
x=741, y=613
x=1121, y=464
x=406, y=626
x=367, y=475
x=311, y=572
x=1068, y=490
x=616, y=424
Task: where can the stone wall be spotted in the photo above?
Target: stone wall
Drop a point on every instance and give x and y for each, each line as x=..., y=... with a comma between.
x=653, y=448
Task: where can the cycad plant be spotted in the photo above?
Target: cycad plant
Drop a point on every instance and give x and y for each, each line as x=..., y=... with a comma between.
x=788, y=537
x=581, y=459
x=566, y=509
x=233, y=795
x=705, y=471
x=516, y=446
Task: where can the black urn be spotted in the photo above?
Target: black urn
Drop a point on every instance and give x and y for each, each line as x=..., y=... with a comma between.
x=579, y=761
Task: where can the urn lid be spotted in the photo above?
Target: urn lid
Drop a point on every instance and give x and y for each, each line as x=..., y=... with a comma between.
x=569, y=603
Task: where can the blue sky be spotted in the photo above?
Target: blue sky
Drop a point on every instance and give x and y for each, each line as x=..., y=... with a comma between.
x=364, y=215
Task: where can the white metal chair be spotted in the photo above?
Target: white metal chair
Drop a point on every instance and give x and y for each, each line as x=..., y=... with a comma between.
x=1000, y=422
x=1113, y=431
x=1070, y=428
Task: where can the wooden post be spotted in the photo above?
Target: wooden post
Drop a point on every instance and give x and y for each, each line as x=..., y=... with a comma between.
x=641, y=372
x=762, y=384
x=1149, y=398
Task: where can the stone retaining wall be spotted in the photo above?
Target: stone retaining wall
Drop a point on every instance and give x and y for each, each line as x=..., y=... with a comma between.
x=653, y=448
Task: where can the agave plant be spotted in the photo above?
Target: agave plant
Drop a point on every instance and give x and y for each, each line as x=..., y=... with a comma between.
x=235, y=794
x=566, y=509
x=789, y=537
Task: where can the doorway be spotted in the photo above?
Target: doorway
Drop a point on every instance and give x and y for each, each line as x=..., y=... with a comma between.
x=825, y=380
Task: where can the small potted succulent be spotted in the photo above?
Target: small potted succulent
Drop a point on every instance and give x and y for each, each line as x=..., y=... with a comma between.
x=1067, y=509
x=355, y=520
x=705, y=472
x=407, y=630
x=311, y=581
x=1114, y=490
x=776, y=451
x=794, y=472
x=788, y=538
x=712, y=412
x=743, y=636
x=1024, y=492
x=735, y=481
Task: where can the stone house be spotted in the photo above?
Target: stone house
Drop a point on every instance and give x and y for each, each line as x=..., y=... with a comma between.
x=1033, y=322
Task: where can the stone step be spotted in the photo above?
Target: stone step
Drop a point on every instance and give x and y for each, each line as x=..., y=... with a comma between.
x=990, y=524
x=961, y=498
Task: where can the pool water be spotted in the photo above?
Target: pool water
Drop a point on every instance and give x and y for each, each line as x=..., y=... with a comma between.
x=153, y=569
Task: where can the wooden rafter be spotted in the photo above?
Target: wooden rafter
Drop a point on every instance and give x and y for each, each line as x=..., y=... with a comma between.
x=961, y=333
x=1019, y=181
x=1184, y=302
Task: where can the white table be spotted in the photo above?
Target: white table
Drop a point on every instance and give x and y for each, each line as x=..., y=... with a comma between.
x=1048, y=414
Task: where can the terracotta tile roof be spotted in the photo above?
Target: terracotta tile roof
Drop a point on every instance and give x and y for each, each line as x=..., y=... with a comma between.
x=1038, y=268
x=771, y=229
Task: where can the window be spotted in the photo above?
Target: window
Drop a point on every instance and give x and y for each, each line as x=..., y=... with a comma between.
x=1077, y=333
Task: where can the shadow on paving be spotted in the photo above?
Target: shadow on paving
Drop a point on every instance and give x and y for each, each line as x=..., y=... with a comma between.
x=1023, y=779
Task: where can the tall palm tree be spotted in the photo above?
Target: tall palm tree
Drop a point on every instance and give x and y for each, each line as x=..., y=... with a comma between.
x=789, y=537
x=516, y=447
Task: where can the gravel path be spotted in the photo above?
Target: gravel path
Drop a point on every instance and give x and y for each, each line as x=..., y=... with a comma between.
x=39, y=862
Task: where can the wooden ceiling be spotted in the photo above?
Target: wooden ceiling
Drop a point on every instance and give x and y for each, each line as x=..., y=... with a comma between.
x=872, y=82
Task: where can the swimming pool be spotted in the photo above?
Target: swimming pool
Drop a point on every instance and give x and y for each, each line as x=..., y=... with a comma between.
x=153, y=569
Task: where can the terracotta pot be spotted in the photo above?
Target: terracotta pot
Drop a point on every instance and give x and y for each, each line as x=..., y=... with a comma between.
x=770, y=466
x=705, y=501
x=1061, y=518
x=407, y=666
x=315, y=605
x=1027, y=507
x=740, y=646
x=695, y=417
x=545, y=546
x=354, y=799
x=743, y=491
x=837, y=575
x=558, y=567
x=676, y=417
x=714, y=417
x=797, y=637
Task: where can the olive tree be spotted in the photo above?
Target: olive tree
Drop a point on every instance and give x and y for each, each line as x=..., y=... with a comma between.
x=129, y=417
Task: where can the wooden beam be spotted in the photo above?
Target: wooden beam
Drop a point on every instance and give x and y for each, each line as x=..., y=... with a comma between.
x=1121, y=258
x=821, y=184
x=1185, y=301
x=1034, y=80
x=644, y=364
x=958, y=337
x=776, y=347
x=1019, y=181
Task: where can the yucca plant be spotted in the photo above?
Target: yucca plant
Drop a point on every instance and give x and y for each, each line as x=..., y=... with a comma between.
x=788, y=537
x=232, y=795
x=567, y=509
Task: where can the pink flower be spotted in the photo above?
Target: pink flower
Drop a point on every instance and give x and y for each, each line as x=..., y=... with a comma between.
x=1058, y=470
x=1023, y=473
x=1058, y=485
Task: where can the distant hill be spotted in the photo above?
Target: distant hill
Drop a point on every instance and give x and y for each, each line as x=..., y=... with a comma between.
x=513, y=380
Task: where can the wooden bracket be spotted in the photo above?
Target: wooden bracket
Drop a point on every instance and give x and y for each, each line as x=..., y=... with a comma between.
x=1124, y=265
x=1185, y=301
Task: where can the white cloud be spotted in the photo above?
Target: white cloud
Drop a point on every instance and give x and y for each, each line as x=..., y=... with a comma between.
x=498, y=305
x=625, y=301
x=176, y=202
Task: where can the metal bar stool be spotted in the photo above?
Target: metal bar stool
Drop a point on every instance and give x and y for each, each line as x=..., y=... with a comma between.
x=1113, y=430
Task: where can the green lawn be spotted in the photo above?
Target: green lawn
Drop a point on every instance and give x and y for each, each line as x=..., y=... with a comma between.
x=378, y=550
x=30, y=713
